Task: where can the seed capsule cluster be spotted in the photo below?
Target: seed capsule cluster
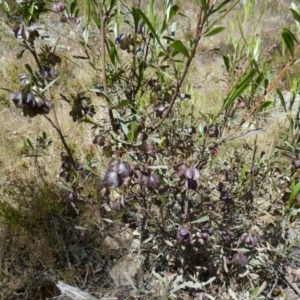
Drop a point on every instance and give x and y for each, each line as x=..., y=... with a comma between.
x=32, y=104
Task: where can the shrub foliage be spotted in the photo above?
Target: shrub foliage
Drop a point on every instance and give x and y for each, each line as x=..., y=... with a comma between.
x=207, y=208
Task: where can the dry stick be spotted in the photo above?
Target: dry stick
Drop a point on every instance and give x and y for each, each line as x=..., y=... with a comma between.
x=199, y=31
x=102, y=46
x=269, y=295
x=292, y=285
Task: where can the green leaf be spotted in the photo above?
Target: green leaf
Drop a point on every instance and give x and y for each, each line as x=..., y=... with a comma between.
x=178, y=46
x=297, y=120
x=112, y=5
x=220, y=6
x=256, y=51
x=136, y=19
x=49, y=85
x=226, y=61
x=245, y=82
x=123, y=103
x=295, y=15
x=171, y=12
x=254, y=292
x=77, y=13
x=295, y=191
x=215, y=31
x=5, y=7
x=133, y=130
x=72, y=7
x=163, y=27
x=29, y=144
x=201, y=220
x=113, y=53
x=30, y=12
x=65, y=186
x=265, y=105
x=205, y=8
x=289, y=40
x=278, y=91
x=124, y=127
x=148, y=23
x=295, y=212
x=20, y=53
x=97, y=21
x=29, y=69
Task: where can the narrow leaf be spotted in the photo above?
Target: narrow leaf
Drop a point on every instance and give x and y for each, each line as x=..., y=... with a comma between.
x=124, y=127
x=171, y=12
x=29, y=144
x=264, y=105
x=278, y=91
x=133, y=130
x=136, y=18
x=245, y=82
x=178, y=46
x=226, y=62
x=205, y=8
x=295, y=212
x=123, y=103
x=107, y=220
x=157, y=276
x=252, y=132
x=289, y=39
x=29, y=69
x=257, y=49
x=295, y=191
x=295, y=15
x=113, y=53
x=215, y=31
x=145, y=19
x=201, y=220
x=194, y=285
x=49, y=85
x=72, y=7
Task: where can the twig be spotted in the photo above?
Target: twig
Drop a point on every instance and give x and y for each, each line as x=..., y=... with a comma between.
x=102, y=46
x=81, y=181
x=33, y=52
x=292, y=285
x=199, y=30
x=269, y=295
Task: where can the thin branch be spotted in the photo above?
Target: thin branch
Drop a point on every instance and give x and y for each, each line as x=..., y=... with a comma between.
x=55, y=124
x=33, y=52
x=199, y=31
x=102, y=46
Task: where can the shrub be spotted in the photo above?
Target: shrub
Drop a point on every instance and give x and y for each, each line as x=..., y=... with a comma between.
x=206, y=202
